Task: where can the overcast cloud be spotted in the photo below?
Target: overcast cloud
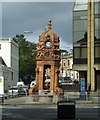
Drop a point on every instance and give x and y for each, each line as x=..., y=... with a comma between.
x=18, y=17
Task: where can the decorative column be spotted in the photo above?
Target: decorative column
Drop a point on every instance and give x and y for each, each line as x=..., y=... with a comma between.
x=52, y=78
x=90, y=47
x=40, y=79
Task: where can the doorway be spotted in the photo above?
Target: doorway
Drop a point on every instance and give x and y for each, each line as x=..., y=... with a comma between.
x=97, y=80
x=46, y=77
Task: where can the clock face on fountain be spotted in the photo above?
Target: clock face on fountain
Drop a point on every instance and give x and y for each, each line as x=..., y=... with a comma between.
x=48, y=43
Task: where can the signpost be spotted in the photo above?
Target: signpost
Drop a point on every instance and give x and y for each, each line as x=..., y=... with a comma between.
x=82, y=89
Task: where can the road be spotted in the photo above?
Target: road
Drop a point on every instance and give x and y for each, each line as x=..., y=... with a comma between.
x=29, y=112
x=16, y=109
x=45, y=112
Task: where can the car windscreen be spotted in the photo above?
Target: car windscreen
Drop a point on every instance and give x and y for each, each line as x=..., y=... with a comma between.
x=25, y=87
x=13, y=88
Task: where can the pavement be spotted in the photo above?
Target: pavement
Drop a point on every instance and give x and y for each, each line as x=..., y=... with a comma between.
x=68, y=96
x=22, y=101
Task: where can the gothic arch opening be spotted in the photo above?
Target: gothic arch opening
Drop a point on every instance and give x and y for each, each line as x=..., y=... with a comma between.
x=47, y=77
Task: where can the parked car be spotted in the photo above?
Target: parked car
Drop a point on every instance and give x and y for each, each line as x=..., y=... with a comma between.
x=68, y=83
x=21, y=91
x=13, y=91
x=17, y=90
x=25, y=89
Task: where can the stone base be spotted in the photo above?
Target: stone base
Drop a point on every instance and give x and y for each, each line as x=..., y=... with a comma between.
x=45, y=98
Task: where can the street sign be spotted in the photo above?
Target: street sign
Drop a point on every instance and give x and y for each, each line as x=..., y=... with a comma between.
x=82, y=85
x=82, y=88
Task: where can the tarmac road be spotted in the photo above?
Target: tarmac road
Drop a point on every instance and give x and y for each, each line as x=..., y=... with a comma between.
x=45, y=112
x=16, y=109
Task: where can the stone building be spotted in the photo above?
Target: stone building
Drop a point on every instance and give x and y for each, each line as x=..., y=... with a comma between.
x=9, y=62
x=66, y=71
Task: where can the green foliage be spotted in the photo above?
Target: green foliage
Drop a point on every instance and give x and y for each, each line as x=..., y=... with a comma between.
x=27, y=56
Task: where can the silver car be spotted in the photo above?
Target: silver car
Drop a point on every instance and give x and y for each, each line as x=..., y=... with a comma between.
x=13, y=91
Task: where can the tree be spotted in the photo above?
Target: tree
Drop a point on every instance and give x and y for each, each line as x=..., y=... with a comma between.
x=27, y=56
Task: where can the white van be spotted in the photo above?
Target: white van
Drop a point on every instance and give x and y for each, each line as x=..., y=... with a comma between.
x=20, y=83
x=33, y=83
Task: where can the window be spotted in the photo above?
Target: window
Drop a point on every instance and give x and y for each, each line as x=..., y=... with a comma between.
x=64, y=63
x=68, y=62
x=12, y=75
x=76, y=52
x=84, y=52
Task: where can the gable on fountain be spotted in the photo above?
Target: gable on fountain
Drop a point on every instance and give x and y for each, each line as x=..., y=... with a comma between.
x=48, y=45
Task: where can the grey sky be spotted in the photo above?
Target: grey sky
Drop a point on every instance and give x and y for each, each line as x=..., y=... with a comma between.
x=18, y=17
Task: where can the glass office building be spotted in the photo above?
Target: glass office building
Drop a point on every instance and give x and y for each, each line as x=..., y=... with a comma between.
x=80, y=41
x=80, y=32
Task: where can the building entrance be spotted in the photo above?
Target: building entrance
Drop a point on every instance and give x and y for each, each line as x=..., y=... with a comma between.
x=97, y=82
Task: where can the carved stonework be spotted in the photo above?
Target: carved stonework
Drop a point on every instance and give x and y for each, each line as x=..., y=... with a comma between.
x=48, y=43
x=47, y=60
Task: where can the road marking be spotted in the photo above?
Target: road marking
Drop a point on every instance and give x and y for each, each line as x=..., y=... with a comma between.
x=96, y=106
x=52, y=107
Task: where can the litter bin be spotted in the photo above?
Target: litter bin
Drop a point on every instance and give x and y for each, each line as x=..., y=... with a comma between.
x=66, y=110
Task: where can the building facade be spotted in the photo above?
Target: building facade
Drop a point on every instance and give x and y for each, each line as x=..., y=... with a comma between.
x=66, y=70
x=86, y=42
x=9, y=53
x=5, y=75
